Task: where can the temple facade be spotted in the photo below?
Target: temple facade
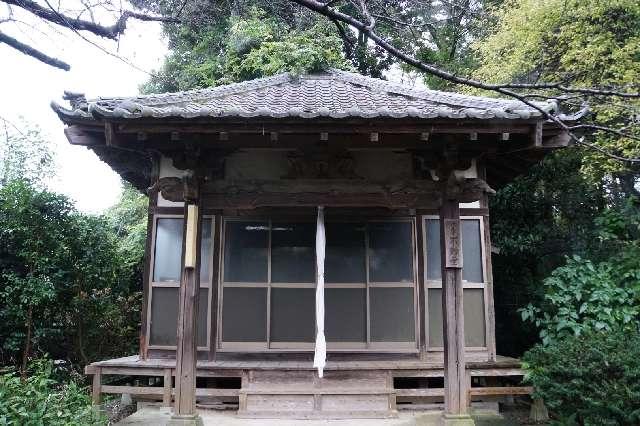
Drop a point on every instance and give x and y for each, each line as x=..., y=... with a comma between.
x=292, y=206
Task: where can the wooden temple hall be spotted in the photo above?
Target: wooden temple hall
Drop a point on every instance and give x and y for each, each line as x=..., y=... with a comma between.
x=318, y=245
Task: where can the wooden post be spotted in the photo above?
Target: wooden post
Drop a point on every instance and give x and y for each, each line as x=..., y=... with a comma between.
x=96, y=393
x=167, y=388
x=186, y=351
x=455, y=386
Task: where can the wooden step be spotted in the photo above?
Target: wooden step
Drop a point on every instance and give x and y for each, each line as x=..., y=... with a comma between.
x=302, y=395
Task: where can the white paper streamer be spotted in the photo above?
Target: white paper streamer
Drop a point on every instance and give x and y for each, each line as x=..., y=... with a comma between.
x=320, y=355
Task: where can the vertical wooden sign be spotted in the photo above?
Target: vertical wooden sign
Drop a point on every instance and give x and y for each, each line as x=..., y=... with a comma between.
x=453, y=244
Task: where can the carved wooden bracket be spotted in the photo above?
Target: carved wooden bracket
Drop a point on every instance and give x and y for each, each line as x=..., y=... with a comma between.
x=465, y=190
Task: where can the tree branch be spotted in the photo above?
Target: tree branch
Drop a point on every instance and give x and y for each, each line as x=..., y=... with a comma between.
x=111, y=32
x=34, y=53
x=503, y=89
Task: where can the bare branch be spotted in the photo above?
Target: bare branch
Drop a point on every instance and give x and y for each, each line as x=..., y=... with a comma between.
x=34, y=53
x=332, y=13
x=111, y=32
x=568, y=89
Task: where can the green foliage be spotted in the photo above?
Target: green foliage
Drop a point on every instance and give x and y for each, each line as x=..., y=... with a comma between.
x=584, y=44
x=24, y=153
x=128, y=219
x=582, y=296
x=590, y=379
x=586, y=295
x=241, y=49
x=63, y=284
x=39, y=400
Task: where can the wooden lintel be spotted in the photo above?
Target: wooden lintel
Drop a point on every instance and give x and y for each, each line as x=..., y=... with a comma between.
x=250, y=194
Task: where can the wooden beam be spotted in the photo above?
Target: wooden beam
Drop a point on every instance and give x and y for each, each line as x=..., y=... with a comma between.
x=186, y=351
x=110, y=137
x=167, y=387
x=536, y=135
x=341, y=126
x=96, y=393
x=455, y=399
x=558, y=141
x=250, y=194
x=77, y=135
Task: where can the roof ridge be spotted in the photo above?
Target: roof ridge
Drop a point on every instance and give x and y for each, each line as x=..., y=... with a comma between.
x=215, y=91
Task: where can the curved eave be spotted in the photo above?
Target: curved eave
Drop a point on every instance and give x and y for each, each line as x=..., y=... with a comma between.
x=148, y=112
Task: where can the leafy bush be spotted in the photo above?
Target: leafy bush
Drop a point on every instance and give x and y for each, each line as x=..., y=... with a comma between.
x=591, y=379
x=583, y=296
x=39, y=400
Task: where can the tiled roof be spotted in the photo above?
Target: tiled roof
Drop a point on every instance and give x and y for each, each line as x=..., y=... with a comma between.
x=333, y=94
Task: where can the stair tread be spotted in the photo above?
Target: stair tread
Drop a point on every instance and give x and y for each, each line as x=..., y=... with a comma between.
x=294, y=390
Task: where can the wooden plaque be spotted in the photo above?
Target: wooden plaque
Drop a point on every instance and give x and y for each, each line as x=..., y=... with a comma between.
x=452, y=243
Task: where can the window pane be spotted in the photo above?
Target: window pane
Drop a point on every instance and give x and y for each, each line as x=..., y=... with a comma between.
x=164, y=316
x=390, y=252
x=471, y=251
x=474, y=327
x=392, y=318
x=205, y=250
x=244, y=314
x=435, y=317
x=293, y=314
x=245, y=251
x=345, y=314
x=432, y=228
x=474, y=330
x=293, y=252
x=168, y=250
x=345, y=253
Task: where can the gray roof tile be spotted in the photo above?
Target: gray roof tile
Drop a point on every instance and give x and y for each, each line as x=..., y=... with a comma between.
x=334, y=94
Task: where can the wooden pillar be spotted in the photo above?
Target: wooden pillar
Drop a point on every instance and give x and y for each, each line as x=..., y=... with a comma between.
x=455, y=386
x=186, y=351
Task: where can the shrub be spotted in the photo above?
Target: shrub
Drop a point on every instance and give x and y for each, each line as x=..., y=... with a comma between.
x=38, y=400
x=582, y=296
x=591, y=379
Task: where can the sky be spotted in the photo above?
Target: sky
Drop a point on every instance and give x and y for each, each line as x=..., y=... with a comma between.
x=28, y=86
